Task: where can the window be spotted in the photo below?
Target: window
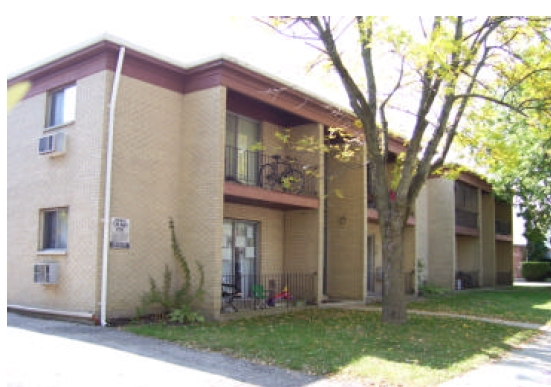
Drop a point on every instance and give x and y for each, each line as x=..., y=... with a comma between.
x=241, y=161
x=53, y=229
x=61, y=106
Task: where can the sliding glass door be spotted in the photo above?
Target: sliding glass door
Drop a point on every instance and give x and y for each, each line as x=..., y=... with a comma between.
x=240, y=255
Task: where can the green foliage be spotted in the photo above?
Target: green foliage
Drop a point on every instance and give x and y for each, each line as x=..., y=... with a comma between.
x=161, y=297
x=176, y=304
x=537, y=251
x=16, y=93
x=432, y=290
x=535, y=271
x=185, y=315
x=512, y=139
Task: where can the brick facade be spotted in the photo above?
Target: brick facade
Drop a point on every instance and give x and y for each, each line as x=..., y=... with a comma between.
x=169, y=145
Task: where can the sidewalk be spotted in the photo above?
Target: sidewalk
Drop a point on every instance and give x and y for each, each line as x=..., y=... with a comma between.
x=527, y=366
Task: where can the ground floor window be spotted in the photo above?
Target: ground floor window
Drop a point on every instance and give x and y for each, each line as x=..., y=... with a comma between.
x=53, y=228
x=240, y=266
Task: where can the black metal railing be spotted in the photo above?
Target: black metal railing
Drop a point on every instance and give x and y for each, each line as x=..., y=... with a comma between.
x=504, y=278
x=466, y=280
x=466, y=218
x=246, y=292
x=503, y=227
x=246, y=167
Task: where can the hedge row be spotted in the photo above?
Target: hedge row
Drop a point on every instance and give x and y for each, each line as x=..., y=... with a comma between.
x=536, y=271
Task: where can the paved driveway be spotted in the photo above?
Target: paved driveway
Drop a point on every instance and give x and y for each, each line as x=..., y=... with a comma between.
x=48, y=353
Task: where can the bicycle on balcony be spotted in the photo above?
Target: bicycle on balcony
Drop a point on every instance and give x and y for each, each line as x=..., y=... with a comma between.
x=281, y=174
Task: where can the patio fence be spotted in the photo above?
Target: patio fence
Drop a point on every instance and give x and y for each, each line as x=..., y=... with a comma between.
x=279, y=289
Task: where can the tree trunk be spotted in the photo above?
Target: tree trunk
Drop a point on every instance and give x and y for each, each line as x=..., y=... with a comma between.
x=394, y=297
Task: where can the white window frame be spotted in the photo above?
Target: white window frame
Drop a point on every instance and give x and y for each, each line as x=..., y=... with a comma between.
x=61, y=104
x=60, y=230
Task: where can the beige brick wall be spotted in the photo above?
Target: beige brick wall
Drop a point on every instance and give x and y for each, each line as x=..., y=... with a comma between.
x=468, y=253
x=421, y=234
x=201, y=196
x=441, y=233
x=487, y=236
x=74, y=180
x=504, y=256
x=346, y=229
x=146, y=189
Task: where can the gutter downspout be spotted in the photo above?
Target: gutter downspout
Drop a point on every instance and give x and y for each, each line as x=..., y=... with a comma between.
x=107, y=199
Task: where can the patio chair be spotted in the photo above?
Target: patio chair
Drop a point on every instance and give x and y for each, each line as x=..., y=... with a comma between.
x=259, y=296
x=229, y=294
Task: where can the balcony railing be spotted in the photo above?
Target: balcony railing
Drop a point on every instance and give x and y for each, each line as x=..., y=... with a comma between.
x=466, y=280
x=465, y=218
x=504, y=278
x=266, y=291
x=503, y=227
x=256, y=168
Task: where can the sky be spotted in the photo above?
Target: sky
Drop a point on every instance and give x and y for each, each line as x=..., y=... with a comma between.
x=41, y=29
x=36, y=30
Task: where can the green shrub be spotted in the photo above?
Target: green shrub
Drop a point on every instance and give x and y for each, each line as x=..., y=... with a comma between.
x=432, y=290
x=535, y=271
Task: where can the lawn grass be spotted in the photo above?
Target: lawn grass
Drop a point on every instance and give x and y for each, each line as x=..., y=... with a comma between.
x=518, y=303
x=352, y=344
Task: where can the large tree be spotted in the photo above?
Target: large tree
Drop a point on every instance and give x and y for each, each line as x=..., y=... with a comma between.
x=420, y=80
x=513, y=145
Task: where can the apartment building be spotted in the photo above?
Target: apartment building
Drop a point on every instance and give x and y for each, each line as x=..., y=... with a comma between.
x=112, y=141
x=463, y=234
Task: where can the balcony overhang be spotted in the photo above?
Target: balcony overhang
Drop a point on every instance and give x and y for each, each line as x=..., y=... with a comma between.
x=255, y=196
x=504, y=238
x=466, y=231
x=373, y=217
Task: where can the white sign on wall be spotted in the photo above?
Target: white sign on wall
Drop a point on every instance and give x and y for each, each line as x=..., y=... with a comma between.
x=120, y=233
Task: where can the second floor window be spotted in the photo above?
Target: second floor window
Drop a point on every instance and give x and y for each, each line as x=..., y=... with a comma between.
x=61, y=106
x=241, y=159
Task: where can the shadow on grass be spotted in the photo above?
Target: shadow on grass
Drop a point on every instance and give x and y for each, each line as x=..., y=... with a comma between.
x=329, y=341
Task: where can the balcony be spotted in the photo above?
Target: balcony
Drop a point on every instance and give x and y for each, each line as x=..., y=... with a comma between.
x=503, y=230
x=255, y=177
x=466, y=222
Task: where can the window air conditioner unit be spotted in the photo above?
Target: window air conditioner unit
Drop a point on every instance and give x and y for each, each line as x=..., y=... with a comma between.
x=52, y=144
x=46, y=273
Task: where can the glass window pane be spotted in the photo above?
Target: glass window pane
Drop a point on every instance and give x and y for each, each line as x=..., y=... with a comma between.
x=61, y=242
x=54, y=229
x=69, y=103
x=62, y=106
x=49, y=226
x=56, y=108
